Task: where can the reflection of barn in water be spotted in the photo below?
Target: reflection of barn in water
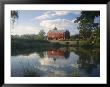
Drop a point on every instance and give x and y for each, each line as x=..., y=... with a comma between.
x=58, y=53
x=55, y=53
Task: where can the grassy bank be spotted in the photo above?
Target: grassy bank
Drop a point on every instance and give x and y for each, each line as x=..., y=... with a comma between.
x=81, y=43
x=23, y=43
x=87, y=44
x=45, y=44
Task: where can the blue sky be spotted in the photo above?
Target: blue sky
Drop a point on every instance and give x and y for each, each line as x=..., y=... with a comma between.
x=32, y=21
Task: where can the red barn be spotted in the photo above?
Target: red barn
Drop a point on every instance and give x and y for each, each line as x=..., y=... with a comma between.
x=58, y=34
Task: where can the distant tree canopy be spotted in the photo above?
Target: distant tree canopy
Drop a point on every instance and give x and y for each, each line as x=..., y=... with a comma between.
x=42, y=33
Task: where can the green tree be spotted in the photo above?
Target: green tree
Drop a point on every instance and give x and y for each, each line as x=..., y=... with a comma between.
x=41, y=35
x=14, y=16
x=74, y=37
x=86, y=23
x=67, y=34
x=89, y=30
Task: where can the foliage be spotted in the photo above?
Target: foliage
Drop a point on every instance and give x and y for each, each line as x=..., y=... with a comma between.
x=29, y=70
x=89, y=30
x=41, y=35
x=67, y=34
x=74, y=37
x=14, y=16
x=30, y=42
x=86, y=23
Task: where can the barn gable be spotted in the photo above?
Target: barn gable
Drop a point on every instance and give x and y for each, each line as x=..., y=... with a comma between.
x=58, y=34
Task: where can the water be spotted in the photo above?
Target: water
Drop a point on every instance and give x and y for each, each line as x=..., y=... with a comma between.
x=60, y=62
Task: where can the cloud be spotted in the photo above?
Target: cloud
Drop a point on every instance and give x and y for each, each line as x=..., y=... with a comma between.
x=60, y=24
x=20, y=30
x=77, y=12
x=52, y=14
x=46, y=15
x=97, y=20
x=43, y=17
x=62, y=13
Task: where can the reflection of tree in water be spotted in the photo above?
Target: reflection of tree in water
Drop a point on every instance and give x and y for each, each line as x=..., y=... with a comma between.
x=25, y=52
x=41, y=54
x=88, y=59
x=67, y=54
x=54, y=59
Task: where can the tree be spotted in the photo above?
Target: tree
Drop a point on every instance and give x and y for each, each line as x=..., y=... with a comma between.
x=14, y=16
x=86, y=23
x=88, y=16
x=42, y=32
x=67, y=34
x=55, y=28
x=41, y=35
x=74, y=37
x=88, y=28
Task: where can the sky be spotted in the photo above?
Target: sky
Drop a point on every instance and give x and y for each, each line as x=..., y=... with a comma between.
x=32, y=21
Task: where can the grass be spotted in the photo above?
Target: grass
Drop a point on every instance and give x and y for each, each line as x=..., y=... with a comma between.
x=29, y=71
x=76, y=73
x=87, y=44
x=22, y=44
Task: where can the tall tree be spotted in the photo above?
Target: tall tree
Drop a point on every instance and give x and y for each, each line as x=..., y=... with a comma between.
x=41, y=34
x=14, y=16
x=67, y=34
x=86, y=23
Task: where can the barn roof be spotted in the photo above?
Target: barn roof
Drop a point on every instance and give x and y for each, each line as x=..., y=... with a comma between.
x=57, y=31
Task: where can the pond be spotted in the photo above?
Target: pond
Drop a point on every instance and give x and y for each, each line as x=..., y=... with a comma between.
x=56, y=62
